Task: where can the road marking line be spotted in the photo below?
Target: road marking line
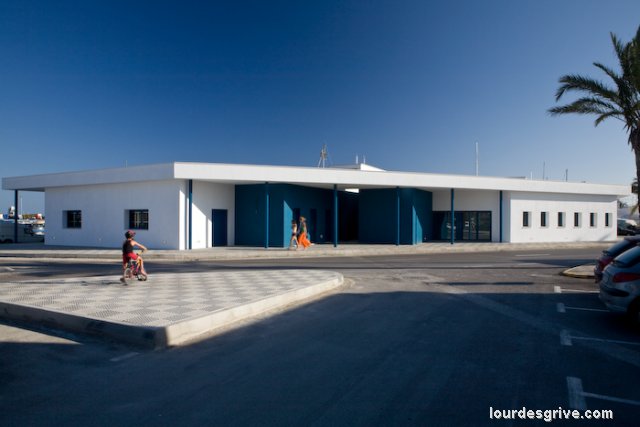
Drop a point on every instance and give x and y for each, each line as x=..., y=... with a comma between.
x=124, y=357
x=557, y=289
x=576, y=395
x=612, y=399
x=567, y=339
x=605, y=340
x=560, y=307
x=600, y=310
x=531, y=255
x=579, y=290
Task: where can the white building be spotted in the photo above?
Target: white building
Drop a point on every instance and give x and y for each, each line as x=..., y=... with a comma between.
x=198, y=205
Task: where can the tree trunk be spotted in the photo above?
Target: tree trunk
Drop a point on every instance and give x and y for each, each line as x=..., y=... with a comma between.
x=634, y=140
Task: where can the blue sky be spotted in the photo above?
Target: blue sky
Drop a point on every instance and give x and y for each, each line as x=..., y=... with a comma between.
x=411, y=85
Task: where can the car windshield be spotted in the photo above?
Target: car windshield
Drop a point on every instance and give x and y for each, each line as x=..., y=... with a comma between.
x=628, y=258
x=619, y=247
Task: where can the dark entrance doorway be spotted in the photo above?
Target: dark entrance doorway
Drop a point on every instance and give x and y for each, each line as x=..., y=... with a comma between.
x=219, y=219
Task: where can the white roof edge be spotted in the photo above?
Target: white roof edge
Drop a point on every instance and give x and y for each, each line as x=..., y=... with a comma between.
x=155, y=172
x=361, y=178
x=352, y=178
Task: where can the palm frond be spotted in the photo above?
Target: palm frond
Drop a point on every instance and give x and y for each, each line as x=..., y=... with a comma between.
x=605, y=116
x=634, y=50
x=588, y=105
x=573, y=82
x=608, y=71
x=620, y=49
x=620, y=100
x=625, y=90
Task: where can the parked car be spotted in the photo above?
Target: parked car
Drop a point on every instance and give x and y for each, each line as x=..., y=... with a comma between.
x=26, y=233
x=620, y=284
x=627, y=227
x=610, y=253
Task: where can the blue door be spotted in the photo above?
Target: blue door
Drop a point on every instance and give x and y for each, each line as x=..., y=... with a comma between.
x=219, y=218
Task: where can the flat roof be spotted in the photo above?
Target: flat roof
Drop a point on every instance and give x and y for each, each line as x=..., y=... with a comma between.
x=306, y=176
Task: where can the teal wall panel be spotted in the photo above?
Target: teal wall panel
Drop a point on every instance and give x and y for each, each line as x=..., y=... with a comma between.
x=368, y=217
x=378, y=216
x=284, y=198
x=250, y=215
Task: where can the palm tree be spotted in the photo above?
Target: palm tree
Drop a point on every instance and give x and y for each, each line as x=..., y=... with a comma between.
x=620, y=101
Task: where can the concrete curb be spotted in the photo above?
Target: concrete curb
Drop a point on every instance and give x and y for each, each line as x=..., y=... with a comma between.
x=238, y=253
x=132, y=334
x=198, y=329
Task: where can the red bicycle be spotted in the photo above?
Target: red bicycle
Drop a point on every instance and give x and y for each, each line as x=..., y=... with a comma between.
x=134, y=269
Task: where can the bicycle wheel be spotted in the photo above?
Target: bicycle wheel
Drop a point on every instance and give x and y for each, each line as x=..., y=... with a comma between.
x=128, y=274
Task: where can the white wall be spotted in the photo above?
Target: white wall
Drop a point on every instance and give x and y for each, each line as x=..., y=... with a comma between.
x=104, y=218
x=472, y=200
x=206, y=197
x=567, y=203
x=104, y=209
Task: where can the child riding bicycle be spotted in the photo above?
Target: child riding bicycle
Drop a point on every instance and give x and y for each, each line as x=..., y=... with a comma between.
x=129, y=255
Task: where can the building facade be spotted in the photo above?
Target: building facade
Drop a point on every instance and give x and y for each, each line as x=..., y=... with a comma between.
x=202, y=205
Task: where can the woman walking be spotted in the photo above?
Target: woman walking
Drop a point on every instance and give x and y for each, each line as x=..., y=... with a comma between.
x=303, y=240
x=293, y=243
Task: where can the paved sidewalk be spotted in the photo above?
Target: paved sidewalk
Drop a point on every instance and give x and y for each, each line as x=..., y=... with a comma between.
x=166, y=310
x=39, y=250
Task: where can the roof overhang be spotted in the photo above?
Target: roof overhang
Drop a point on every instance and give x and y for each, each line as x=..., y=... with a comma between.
x=307, y=176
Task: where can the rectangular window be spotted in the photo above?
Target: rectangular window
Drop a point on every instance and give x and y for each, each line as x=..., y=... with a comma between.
x=577, y=219
x=592, y=219
x=560, y=219
x=525, y=219
x=607, y=220
x=138, y=219
x=544, y=219
x=72, y=219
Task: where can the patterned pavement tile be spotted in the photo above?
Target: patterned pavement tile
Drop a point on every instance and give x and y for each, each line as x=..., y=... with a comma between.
x=163, y=300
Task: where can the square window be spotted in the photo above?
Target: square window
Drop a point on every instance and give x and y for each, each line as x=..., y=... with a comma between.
x=560, y=219
x=72, y=219
x=138, y=219
x=544, y=219
x=526, y=219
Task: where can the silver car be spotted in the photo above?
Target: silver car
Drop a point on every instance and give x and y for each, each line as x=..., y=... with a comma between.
x=620, y=284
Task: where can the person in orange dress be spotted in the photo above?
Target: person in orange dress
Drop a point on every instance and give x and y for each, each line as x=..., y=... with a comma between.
x=303, y=240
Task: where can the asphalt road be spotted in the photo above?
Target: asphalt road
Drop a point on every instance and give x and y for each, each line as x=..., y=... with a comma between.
x=413, y=340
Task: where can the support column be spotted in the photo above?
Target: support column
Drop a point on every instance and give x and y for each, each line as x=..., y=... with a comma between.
x=266, y=215
x=335, y=216
x=397, y=216
x=500, y=216
x=15, y=222
x=190, y=226
x=453, y=218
